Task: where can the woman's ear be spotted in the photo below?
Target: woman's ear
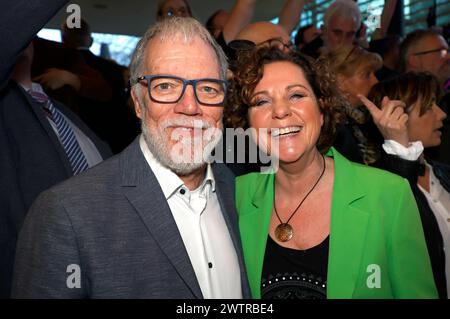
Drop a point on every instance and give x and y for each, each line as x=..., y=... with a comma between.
x=344, y=86
x=321, y=107
x=341, y=82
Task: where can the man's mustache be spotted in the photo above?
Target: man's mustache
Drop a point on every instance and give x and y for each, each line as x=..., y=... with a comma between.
x=185, y=122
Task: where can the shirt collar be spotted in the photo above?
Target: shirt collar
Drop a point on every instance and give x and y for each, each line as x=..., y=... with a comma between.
x=434, y=183
x=209, y=178
x=34, y=87
x=169, y=181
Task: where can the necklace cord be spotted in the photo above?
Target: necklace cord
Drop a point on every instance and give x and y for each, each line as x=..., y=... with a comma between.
x=304, y=198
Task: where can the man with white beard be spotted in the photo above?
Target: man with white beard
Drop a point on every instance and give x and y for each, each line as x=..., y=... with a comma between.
x=155, y=221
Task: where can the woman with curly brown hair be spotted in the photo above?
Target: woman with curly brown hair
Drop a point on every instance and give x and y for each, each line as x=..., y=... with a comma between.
x=319, y=226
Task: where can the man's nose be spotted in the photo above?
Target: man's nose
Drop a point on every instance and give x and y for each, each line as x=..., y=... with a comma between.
x=188, y=103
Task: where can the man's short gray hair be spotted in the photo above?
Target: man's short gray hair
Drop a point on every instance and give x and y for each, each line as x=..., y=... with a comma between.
x=411, y=42
x=343, y=8
x=175, y=29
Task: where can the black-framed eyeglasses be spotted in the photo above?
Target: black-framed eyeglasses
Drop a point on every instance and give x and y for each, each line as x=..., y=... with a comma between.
x=443, y=52
x=168, y=89
x=242, y=45
x=276, y=42
x=247, y=45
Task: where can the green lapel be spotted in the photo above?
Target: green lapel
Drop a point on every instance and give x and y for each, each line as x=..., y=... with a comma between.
x=349, y=221
x=254, y=226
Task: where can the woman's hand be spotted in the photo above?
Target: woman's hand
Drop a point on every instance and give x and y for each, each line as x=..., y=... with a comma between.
x=391, y=119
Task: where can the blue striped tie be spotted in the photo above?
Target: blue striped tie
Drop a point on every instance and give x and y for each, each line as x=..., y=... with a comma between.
x=66, y=135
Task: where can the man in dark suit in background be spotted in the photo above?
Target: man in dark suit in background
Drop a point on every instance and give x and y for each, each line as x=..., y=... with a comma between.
x=35, y=152
x=155, y=221
x=122, y=126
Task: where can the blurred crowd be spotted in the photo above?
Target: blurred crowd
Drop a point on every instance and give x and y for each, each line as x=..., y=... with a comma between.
x=396, y=89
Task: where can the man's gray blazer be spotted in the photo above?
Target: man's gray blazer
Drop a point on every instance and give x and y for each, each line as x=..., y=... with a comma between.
x=114, y=223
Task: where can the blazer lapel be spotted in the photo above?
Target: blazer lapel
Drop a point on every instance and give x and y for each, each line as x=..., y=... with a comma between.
x=348, y=230
x=226, y=204
x=39, y=113
x=225, y=196
x=254, y=225
x=142, y=189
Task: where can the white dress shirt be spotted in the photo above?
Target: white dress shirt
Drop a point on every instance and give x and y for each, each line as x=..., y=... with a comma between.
x=203, y=230
x=439, y=200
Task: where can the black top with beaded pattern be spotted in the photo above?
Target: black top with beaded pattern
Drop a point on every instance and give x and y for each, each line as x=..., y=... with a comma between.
x=294, y=274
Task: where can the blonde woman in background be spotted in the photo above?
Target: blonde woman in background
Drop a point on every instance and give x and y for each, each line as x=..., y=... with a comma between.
x=354, y=69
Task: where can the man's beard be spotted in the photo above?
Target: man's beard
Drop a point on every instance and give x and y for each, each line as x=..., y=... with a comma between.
x=194, y=158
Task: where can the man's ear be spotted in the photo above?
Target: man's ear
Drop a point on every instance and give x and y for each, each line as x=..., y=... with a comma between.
x=413, y=62
x=230, y=75
x=136, y=103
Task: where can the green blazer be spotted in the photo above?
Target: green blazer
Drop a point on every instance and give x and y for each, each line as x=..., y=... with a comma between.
x=377, y=246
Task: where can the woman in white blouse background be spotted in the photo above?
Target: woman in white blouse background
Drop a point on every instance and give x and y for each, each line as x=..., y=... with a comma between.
x=408, y=129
